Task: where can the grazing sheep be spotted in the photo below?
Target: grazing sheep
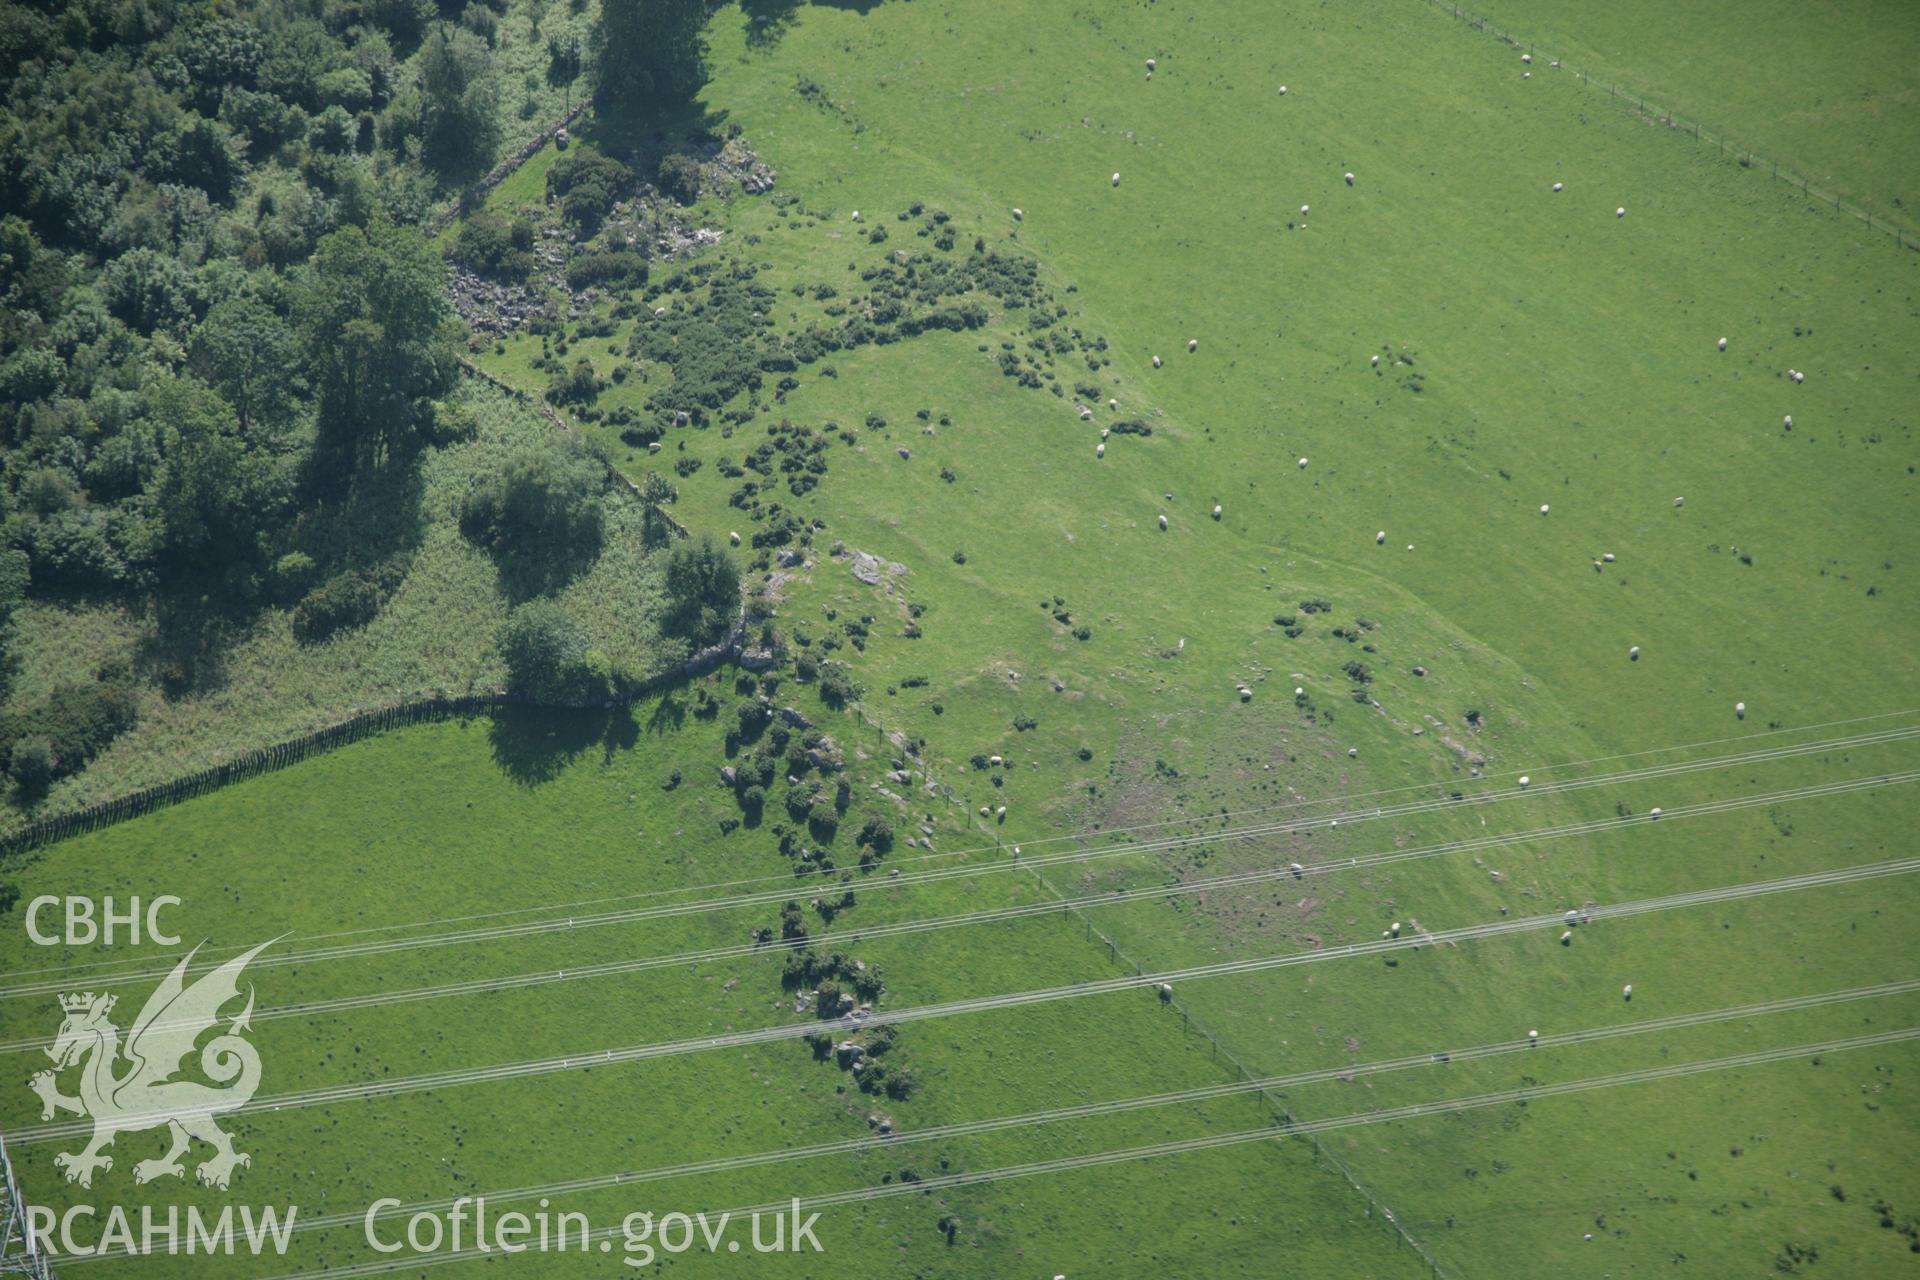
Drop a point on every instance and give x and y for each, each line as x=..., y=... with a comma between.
x=1163, y=522
x=1526, y=57
x=1376, y=362
x=1654, y=812
x=1100, y=451
x=1409, y=546
x=1394, y=928
x=1608, y=557
x=1116, y=179
x=1151, y=64
x=1787, y=422
x=1526, y=75
x=1085, y=413
x=734, y=538
x=1533, y=1037
x=1303, y=208
x=1297, y=870
x=1349, y=179
x=1380, y=538
x=904, y=452
x=1156, y=362
x=1621, y=212
x=1303, y=464
x=1193, y=344
x=1543, y=508
x=1166, y=991
x=1105, y=432
x=1723, y=344
x=1626, y=992
x=1113, y=404
x=1216, y=511
x=1525, y=780
x=1018, y=215
x=856, y=215
x=1556, y=186
x=1566, y=938
x=1299, y=691
x=1679, y=502
x=1353, y=753
x=1283, y=91
x=1633, y=654
x=1740, y=710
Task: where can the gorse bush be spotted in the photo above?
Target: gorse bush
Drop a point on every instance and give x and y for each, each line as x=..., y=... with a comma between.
x=56, y=737
x=550, y=658
x=543, y=504
x=346, y=600
x=494, y=244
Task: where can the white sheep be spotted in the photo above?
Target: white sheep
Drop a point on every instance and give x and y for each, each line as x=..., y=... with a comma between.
x=1193, y=344
x=1526, y=57
x=1376, y=362
x=1409, y=546
x=1303, y=464
x=1723, y=344
x=1679, y=502
x=1654, y=812
x=1556, y=186
x=1633, y=654
x=1608, y=557
x=1380, y=538
x=1626, y=992
x=1621, y=212
x=1544, y=508
x=1163, y=522
x=1216, y=511
x=1116, y=179
x=1394, y=928
x=1283, y=91
x=1299, y=691
x=1018, y=215
x=1303, y=209
x=1105, y=431
x=1525, y=780
x=856, y=215
x=1787, y=422
x=1113, y=404
x=1740, y=710
x=1526, y=75
x=1533, y=1037
x=1349, y=179
x=1151, y=64
x=734, y=538
x=1100, y=451
x=1156, y=362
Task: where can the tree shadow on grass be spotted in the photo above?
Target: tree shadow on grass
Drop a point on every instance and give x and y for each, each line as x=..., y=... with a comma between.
x=768, y=20
x=534, y=745
x=668, y=715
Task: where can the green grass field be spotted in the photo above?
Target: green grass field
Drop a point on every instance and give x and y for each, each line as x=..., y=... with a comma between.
x=1549, y=386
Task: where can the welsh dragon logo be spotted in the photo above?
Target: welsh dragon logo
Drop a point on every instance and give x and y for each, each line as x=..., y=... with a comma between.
x=129, y=1088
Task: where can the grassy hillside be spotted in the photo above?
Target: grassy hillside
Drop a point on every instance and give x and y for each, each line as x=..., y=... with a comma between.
x=1828, y=92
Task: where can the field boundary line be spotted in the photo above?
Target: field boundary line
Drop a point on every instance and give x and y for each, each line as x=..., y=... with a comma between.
x=1905, y=237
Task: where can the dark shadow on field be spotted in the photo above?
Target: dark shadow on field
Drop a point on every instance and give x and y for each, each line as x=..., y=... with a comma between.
x=768, y=20
x=668, y=715
x=532, y=745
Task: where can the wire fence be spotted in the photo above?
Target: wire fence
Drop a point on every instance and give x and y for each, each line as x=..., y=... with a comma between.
x=1905, y=237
